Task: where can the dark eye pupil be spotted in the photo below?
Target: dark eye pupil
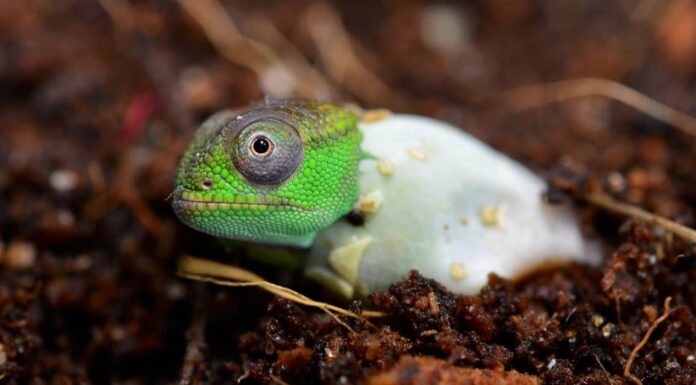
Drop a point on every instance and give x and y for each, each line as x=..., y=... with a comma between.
x=261, y=145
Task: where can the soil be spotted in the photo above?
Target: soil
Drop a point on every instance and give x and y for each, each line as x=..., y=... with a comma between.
x=98, y=100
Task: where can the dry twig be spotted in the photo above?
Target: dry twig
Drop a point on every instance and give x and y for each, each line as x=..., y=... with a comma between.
x=252, y=54
x=627, y=369
x=154, y=59
x=540, y=95
x=337, y=51
x=120, y=12
x=604, y=370
x=226, y=275
x=195, y=335
x=139, y=208
x=610, y=204
x=277, y=379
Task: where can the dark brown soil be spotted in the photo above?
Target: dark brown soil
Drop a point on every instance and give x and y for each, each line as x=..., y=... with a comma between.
x=97, y=106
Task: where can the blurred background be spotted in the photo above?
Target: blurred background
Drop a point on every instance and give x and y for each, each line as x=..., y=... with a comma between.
x=99, y=98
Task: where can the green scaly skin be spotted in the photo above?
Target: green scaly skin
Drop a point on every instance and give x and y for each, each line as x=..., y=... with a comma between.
x=274, y=202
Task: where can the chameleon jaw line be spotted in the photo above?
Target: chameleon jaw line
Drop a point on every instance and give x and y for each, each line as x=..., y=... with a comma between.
x=180, y=202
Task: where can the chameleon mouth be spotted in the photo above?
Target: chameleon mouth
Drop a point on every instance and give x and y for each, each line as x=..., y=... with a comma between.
x=182, y=203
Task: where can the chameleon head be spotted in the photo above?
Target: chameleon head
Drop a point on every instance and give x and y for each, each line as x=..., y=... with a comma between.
x=275, y=174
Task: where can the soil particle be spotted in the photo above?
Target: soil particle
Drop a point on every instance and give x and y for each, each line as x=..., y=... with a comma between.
x=19, y=255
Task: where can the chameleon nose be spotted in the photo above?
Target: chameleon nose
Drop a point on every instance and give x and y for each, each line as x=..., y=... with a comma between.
x=206, y=184
x=201, y=184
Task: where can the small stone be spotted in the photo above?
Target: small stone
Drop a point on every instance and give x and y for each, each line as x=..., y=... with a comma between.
x=417, y=154
x=597, y=320
x=65, y=218
x=458, y=271
x=63, y=180
x=20, y=255
x=83, y=262
x=445, y=29
x=175, y=291
x=385, y=167
x=607, y=329
x=117, y=334
x=616, y=182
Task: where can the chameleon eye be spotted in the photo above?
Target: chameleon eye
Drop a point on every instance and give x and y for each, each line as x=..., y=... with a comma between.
x=267, y=151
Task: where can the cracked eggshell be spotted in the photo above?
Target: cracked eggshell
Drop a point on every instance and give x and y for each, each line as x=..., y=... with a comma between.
x=450, y=207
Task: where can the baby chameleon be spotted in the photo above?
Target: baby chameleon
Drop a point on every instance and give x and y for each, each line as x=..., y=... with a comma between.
x=436, y=199
x=275, y=174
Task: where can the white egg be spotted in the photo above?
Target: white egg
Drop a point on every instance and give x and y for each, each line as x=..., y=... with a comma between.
x=440, y=201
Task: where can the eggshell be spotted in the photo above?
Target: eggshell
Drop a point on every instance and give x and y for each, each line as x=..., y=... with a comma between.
x=447, y=205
